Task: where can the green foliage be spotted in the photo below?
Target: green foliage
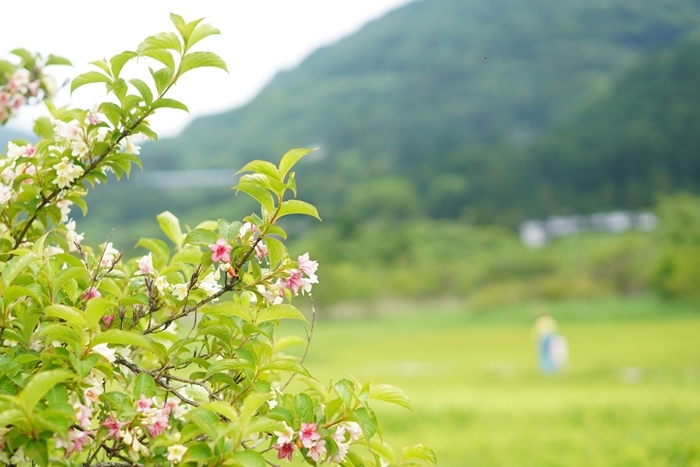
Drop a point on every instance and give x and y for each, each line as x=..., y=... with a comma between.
x=158, y=360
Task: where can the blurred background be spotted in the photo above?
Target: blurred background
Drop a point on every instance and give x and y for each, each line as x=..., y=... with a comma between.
x=481, y=163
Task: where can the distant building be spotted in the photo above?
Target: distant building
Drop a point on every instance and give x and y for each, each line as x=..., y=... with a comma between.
x=536, y=233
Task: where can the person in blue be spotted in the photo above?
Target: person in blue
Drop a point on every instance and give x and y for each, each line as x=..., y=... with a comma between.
x=552, y=348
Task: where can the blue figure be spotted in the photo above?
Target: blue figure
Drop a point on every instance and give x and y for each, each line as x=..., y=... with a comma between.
x=552, y=348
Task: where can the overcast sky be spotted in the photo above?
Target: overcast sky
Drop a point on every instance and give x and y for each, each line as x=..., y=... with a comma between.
x=258, y=38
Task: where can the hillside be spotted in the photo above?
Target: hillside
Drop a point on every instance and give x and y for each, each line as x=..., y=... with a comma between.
x=413, y=119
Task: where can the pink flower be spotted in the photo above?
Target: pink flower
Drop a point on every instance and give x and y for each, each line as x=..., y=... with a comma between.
x=220, y=251
x=307, y=266
x=295, y=281
x=308, y=434
x=143, y=404
x=91, y=293
x=159, y=422
x=260, y=250
x=76, y=440
x=145, y=264
x=113, y=426
x=107, y=320
x=83, y=414
x=316, y=450
x=284, y=450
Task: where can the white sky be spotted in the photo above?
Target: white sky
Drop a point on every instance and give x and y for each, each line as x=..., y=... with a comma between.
x=258, y=38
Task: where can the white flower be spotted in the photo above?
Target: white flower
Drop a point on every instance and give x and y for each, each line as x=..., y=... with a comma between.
x=64, y=205
x=145, y=264
x=72, y=236
x=18, y=457
x=105, y=351
x=5, y=193
x=52, y=250
x=66, y=132
x=13, y=151
x=210, y=285
x=79, y=148
x=180, y=291
x=353, y=429
x=286, y=436
x=176, y=452
x=131, y=148
x=162, y=284
x=109, y=255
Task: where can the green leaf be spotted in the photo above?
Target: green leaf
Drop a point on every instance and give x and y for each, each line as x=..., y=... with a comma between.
x=291, y=158
x=163, y=40
x=264, y=167
x=119, y=60
x=199, y=33
x=263, y=425
x=89, y=78
x=38, y=451
x=69, y=314
x=258, y=192
x=43, y=127
x=201, y=237
x=143, y=89
x=162, y=78
x=163, y=56
x=96, y=308
x=251, y=404
x=119, y=337
x=222, y=408
x=286, y=364
x=294, y=206
x=283, y=311
x=227, y=365
x=250, y=458
x=185, y=29
x=205, y=419
x=367, y=421
x=169, y=103
x=170, y=225
x=304, y=407
x=39, y=385
x=383, y=449
x=419, y=452
x=64, y=275
x=144, y=384
x=276, y=250
x=200, y=59
x=56, y=60
x=391, y=394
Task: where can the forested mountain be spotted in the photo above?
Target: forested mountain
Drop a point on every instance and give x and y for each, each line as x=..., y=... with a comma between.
x=443, y=108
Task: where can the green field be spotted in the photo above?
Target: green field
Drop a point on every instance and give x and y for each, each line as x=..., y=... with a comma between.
x=631, y=396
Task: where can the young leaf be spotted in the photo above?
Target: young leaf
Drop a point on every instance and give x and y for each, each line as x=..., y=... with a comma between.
x=39, y=385
x=88, y=78
x=199, y=33
x=201, y=237
x=144, y=384
x=260, y=194
x=391, y=394
x=200, y=59
x=304, y=407
x=284, y=311
x=169, y=103
x=119, y=337
x=291, y=158
x=170, y=225
x=419, y=452
x=294, y=206
x=143, y=89
x=119, y=60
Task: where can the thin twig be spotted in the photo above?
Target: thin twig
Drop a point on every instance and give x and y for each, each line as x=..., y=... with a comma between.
x=309, y=335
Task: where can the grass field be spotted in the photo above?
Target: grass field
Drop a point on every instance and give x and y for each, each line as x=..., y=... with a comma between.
x=631, y=396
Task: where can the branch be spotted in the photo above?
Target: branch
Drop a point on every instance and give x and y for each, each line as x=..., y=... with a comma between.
x=309, y=335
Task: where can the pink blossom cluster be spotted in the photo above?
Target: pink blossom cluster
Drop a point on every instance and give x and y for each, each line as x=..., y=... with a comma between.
x=14, y=94
x=302, y=278
x=309, y=438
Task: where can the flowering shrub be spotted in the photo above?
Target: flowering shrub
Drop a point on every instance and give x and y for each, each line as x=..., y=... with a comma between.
x=174, y=357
